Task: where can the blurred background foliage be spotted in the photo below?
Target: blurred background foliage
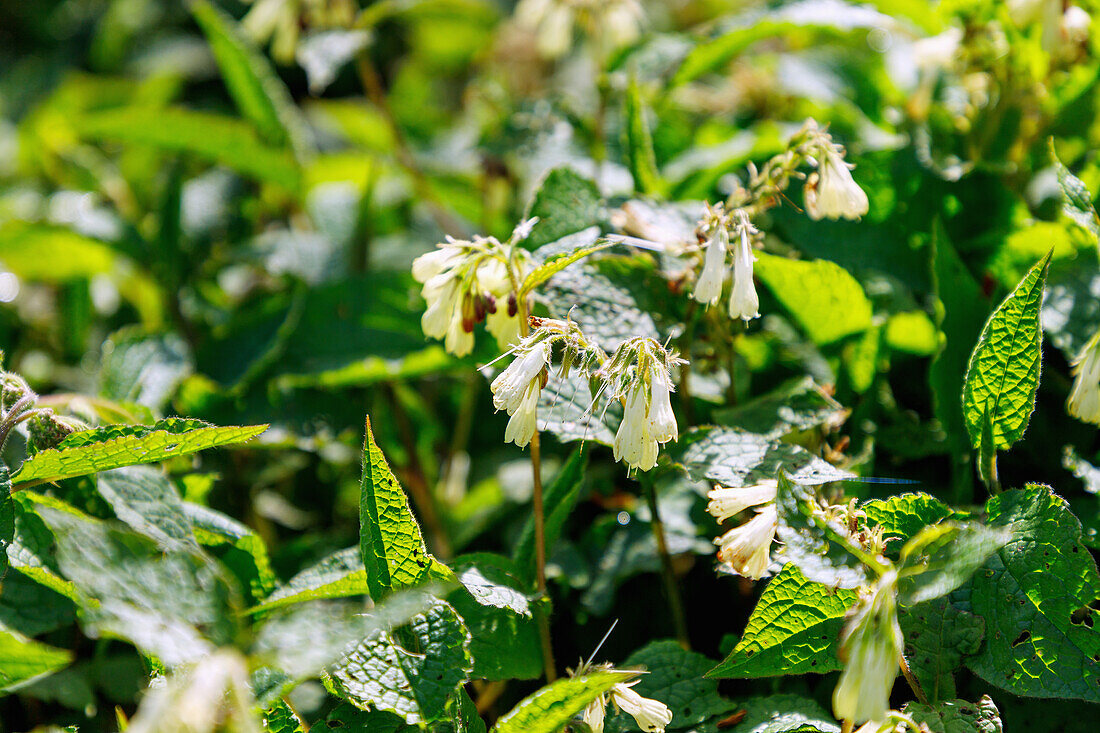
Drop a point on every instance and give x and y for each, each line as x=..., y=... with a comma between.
x=209, y=209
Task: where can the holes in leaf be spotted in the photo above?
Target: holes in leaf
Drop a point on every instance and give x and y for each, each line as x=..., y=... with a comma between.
x=1082, y=617
x=1024, y=636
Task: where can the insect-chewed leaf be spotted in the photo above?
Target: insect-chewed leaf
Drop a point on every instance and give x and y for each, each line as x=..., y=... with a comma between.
x=1003, y=374
x=938, y=635
x=549, y=709
x=957, y=716
x=904, y=515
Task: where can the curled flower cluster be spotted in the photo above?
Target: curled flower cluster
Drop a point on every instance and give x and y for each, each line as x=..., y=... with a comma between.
x=638, y=374
x=744, y=302
x=652, y=716
x=871, y=647
x=468, y=282
x=830, y=191
x=746, y=549
x=1084, y=398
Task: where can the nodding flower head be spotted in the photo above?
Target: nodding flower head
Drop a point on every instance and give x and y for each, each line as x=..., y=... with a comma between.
x=708, y=288
x=744, y=302
x=746, y=550
x=830, y=191
x=726, y=503
x=652, y=716
x=871, y=646
x=516, y=390
x=638, y=373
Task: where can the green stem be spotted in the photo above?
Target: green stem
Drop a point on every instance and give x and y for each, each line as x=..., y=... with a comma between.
x=672, y=590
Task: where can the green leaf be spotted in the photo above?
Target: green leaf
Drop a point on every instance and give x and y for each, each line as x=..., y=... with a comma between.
x=798, y=405
x=347, y=717
x=1071, y=308
x=1037, y=595
x=175, y=607
x=674, y=676
x=735, y=458
x=957, y=716
x=31, y=550
x=280, y=718
x=793, y=629
x=143, y=368
x=905, y=515
x=145, y=499
x=504, y=639
x=556, y=263
x=52, y=254
x=938, y=635
x=23, y=660
x=565, y=203
x=826, y=302
x=819, y=547
x=551, y=708
x=784, y=714
x=383, y=675
x=211, y=137
x=255, y=87
x=339, y=575
x=115, y=446
x=7, y=519
x=236, y=546
x=947, y=555
x=390, y=542
x=1003, y=373
x=1076, y=200
x=638, y=143
x=558, y=502
x=31, y=608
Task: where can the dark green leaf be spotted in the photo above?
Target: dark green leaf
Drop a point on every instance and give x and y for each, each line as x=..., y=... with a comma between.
x=638, y=143
x=146, y=499
x=565, y=203
x=947, y=554
x=938, y=636
x=797, y=405
x=7, y=519
x=1076, y=200
x=236, y=546
x=784, y=714
x=957, y=716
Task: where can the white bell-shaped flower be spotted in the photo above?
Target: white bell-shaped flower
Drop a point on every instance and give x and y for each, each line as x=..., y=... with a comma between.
x=652, y=716
x=1084, y=398
x=662, y=420
x=746, y=550
x=708, y=288
x=744, y=302
x=726, y=503
x=831, y=192
x=594, y=714
x=871, y=645
x=441, y=292
x=634, y=444
x=439, y=260
x=522, y=424
x=460, y=339
x=510, y=386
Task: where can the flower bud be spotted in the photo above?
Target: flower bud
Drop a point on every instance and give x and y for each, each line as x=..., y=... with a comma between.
x=870, y=646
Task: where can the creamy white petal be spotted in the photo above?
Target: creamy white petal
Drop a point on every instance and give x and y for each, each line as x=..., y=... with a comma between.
x=510, y=386
x=832, y=192
x=503, y=327
x=652, y=716
x=631, y=437
x=871, y=643
x=430, y=264
x=725, y=503
x=744, y=302
x=708, y=288
x=522, y=424
x=594, y=714
x=662, y=420
x=746, y=550
x=1084, y=398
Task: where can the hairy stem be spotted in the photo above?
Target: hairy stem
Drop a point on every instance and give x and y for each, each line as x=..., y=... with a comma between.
x=672, y=590
x=913, y=684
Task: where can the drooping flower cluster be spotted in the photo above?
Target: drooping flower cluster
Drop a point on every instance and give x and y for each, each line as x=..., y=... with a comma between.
x=467, y=282
x=830, y=191
x=652, y=716
x=744, y=302
x=638, y=373
x=1084, y=398
x=746, y=549
x=611, y=23
x=871, y=647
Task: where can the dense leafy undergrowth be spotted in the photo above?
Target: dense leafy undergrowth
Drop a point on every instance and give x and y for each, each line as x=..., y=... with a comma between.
x=452, y=365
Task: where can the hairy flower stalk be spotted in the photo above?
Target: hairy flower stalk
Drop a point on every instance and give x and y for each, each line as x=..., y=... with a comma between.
x=1084, y=398
x=870, y=646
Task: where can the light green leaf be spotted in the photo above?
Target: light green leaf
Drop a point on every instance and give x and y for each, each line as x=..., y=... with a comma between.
x=1003, y=373
x=947, y=554
x=145, y=499
x=392, y=547
x=115, y=446
x=638, y=143
x=31, y=550
x=487, y=579
x=674, y=676
x=211, y=137
x=1071, y=308
x=784, y=714
x=565, y=203
x=826, y=302
x=384, y=676
x=735, y=458
x=143, y=368
x=819, y=547
x=52, y=254
x=339, y=575
x=904, y=515
x=551, y=708
x=23, y=660
x=957, y=716
x=1037, y=596
x=7, y=519
x=236, y=546
x=558, y=502
x=255, y=87
x=938, y=636
x=911, y=332
x=793, y=629
x=1076, y=200
x=556, y=263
